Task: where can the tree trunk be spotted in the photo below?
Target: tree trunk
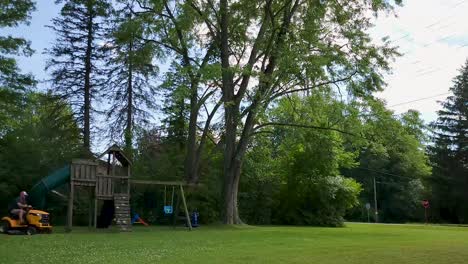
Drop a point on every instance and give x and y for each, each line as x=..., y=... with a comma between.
x=87, y=86
x=231, y=119
x=191, y=168
x=229, y=175
x=129, y=125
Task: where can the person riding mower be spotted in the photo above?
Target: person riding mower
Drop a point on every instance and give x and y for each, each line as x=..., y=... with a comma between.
x=25, y=219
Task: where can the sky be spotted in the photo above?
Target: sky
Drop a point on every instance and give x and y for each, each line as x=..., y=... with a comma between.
x=433, y=37
x=431, y=34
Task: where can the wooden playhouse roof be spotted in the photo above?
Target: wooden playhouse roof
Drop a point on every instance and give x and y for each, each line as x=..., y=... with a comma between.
x=119, y=154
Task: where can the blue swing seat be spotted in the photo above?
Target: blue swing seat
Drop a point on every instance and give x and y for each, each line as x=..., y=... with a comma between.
x=168, y=209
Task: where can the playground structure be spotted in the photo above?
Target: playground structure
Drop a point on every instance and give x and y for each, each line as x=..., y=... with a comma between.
x=110, y=181
x=107, y=181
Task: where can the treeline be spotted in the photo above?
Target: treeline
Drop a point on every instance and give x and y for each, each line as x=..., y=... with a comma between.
x=268, y=104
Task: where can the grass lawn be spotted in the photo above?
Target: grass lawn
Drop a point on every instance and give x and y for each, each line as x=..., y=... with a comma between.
x=355, y=243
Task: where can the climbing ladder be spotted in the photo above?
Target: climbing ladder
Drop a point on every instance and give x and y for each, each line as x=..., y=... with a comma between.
x=122, y=211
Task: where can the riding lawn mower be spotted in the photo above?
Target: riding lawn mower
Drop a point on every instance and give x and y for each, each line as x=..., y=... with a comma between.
x=37, y=221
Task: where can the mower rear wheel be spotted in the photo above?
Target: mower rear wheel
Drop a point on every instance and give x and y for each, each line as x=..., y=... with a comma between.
x=5, y=227
x=31, y=231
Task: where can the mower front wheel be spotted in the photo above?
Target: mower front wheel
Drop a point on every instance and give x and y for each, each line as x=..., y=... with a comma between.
x=5, y=227
x=31, y=231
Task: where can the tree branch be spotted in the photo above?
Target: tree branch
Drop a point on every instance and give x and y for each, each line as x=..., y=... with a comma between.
x=279, y=94
x=304, y=126
x=253, y=55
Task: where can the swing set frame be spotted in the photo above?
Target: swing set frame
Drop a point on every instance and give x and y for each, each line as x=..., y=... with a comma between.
x=172, y=184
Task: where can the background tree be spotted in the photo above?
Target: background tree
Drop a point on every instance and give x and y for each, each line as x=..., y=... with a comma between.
x=75, y=62
x=174, y=26
x=44, y=139
x=130, y=76
x=12, y=82
x=395, y=155
x=449, y=154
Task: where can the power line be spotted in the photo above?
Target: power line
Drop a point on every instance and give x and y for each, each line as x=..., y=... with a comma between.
x=420, y=99
x=386, y=173
x=428, y=27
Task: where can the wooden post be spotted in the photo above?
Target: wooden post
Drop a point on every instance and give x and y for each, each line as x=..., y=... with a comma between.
x=113, y=181
x=189, y=223
x=96, y=200
x=95, y=211
x=113, y=164
x=91, y=210
x=108, y=164
x=70, y=208
x=128, y=180
x=176, y=212
x=375, y=203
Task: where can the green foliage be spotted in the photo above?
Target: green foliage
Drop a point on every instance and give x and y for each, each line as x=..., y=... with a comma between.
x=44, y=138
x=15, y=12
x=296, y=170
x=260, y=184
x=396, y=156
x=12, y=82
x=322, y=201
x=293, y=176
x=314, y=193
x=176, y=109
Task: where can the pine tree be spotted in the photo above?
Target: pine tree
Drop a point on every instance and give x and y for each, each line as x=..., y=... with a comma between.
x=176, y=108
x=12, y=81
x=450, y=153
x=76, y=57
x=130, y=72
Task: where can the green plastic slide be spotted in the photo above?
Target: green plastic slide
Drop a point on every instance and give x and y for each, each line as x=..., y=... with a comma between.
x=38, y=193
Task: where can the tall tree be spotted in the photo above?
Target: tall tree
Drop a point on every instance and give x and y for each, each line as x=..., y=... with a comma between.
x=12, y=81
x=174, y=26
x=130, y=73
x=450, y=153
x=269, y=49
x=266, y=50
x=76, y=57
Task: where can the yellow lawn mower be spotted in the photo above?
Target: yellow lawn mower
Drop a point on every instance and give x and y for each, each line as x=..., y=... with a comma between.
x=37, y=222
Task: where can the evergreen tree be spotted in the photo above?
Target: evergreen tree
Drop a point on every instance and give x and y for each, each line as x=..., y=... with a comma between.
x=76, y=57
x=12, y=81
x=450, y=153
x=176, y=108
x=129, y=75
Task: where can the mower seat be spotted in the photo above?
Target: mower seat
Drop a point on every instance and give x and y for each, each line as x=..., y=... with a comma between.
x=14, y=216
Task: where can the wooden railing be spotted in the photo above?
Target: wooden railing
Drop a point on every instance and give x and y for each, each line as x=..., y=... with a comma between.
x=83, y=170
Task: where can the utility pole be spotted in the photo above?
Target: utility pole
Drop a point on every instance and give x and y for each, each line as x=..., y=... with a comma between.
x=375, y=203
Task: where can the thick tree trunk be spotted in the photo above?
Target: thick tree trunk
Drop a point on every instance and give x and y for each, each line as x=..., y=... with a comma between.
x=232, y=177
x=231, y=118
x=191, y=168
x=87, y=87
